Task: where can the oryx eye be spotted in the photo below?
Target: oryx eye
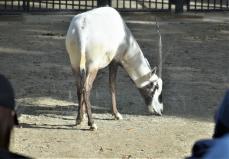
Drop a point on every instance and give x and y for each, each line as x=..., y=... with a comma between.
x=151, y=84
x=156, y=86
x=152, y=90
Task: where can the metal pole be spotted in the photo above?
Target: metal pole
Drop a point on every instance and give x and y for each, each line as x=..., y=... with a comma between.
x=179, y=6
x=103, y=3
x=27, y=7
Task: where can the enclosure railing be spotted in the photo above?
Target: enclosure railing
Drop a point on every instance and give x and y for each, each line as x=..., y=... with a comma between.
x=207, y=5
x=80, y=5
x=121, y=5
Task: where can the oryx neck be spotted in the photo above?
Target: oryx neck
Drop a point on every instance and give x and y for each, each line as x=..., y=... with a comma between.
x=136, y=66
x=145, y=80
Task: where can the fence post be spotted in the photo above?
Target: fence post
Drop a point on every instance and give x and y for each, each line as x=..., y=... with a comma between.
x=179, y=6
x=170, y=5
x=101, y=3
x=188, y=5
x=25, y=5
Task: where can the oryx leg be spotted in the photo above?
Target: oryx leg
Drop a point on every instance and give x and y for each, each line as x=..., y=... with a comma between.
x=81, y=107
x=90, y=77
x=113, y=68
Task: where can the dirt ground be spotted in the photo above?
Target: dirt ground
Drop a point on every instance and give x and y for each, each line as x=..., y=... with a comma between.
x=195, y=74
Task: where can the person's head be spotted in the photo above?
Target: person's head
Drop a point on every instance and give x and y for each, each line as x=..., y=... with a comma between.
x=8, y=117
x=222, y=118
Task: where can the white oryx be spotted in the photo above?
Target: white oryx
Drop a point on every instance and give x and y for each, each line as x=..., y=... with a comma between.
x=98, y=38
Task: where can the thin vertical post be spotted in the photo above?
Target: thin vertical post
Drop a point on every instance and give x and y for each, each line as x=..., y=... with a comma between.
x=201, y=5
x=214, y=4
x=46, y=4
x=18, y=5
x=188, y=5
x=28, y=6
x=179, y=6
x=23, y=5
x=221, y=4
x=33, y=5
x=195, y=4
x=170, y=4
x=5, y=4
x=92, y=3
x=53, y=5
x=101, y=3
x=39, y=4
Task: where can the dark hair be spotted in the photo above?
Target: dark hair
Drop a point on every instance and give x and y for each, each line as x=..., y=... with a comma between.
x=7, y=97
x=6, y=93
x=220, y=130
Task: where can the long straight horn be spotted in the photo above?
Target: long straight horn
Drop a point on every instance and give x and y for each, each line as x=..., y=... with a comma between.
x=160, y=50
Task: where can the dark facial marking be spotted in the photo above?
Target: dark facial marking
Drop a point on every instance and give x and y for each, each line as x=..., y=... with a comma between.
x=160, y=98
x=147, y=92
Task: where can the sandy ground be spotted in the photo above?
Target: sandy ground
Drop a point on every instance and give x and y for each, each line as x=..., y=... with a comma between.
x=195, y=74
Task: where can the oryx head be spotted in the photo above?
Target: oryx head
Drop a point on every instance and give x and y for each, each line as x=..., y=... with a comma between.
x=151, y=91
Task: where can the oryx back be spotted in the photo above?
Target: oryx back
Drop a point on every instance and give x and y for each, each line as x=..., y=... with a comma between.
x=95, y=38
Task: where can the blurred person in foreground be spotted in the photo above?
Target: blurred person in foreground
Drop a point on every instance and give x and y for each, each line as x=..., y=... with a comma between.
x=218, y=146
x=8, y=119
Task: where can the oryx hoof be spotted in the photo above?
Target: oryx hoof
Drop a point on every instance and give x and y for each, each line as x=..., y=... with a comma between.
x=93, y=127
x=118, y=116
x=78, y=121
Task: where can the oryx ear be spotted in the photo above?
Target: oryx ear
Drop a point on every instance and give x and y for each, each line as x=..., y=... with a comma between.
x=154, y=70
